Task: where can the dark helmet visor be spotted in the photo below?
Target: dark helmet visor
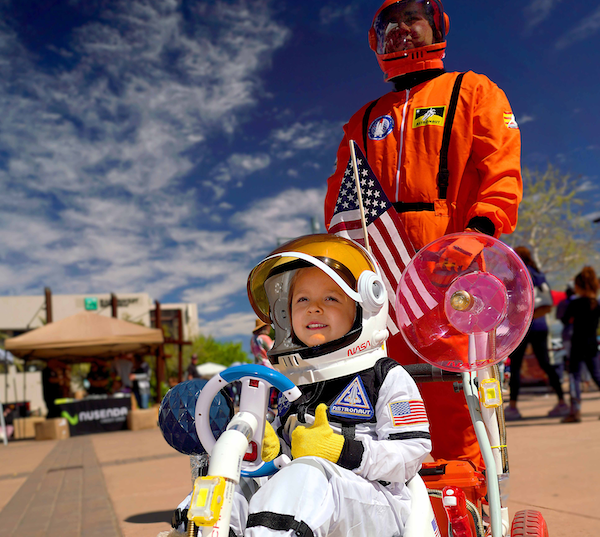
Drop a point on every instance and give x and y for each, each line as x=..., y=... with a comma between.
x=395, y=21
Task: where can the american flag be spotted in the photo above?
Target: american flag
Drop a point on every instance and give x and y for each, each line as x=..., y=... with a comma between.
x=387, y=237
x=436, y=530
x=408, y=412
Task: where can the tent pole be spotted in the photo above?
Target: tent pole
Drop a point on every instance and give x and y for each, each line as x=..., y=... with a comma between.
x=113, y=305
x=25, y=384
x=48, y=294
x=3, y=425
x=180, y=338
x=159, y=356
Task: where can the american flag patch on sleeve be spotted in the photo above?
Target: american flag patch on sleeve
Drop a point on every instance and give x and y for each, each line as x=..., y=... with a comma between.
x=408, y=412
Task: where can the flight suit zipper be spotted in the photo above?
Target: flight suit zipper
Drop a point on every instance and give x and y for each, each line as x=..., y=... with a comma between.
x=402, y=127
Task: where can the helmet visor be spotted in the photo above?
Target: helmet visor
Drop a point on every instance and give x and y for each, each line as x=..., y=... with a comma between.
x=408, y=24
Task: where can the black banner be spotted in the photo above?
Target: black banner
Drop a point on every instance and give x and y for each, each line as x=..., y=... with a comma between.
x=96, y=415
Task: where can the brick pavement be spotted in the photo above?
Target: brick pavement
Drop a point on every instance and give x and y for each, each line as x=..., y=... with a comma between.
x=64, y=496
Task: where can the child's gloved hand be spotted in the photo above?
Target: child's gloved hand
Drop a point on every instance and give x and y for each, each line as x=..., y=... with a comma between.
x=270, y=444
x=318, y=440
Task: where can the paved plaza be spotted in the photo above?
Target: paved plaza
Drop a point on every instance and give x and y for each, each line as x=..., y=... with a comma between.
x=126, y=484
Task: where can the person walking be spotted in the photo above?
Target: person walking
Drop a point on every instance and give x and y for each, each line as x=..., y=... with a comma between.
x=538, y=337
x=192, y=370
x=583, y=313
x=567, y=331
x=140, y=376
x=446, y=150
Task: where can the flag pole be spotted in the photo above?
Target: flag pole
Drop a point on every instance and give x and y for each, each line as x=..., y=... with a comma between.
x=359, y=196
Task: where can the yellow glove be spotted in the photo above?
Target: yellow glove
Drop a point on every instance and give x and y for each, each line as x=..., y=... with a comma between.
x=318, y=440
x=270, y=444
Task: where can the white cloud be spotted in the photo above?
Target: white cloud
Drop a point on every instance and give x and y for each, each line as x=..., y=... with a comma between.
x=95, y=150
x=236, y=324
x=285, y=215
x=588, y=184
x=586, y=28
x=141, y=94
x=237, y=167
x=333, y=14
x=288, y=141
x=264, y=224
x=537, y=11
x=525, y=118
x=97, y=154
x=593, y=217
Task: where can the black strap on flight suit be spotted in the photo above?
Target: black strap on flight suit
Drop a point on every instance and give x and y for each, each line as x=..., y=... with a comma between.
x=275, y=521
x=404, y=207
x=365, y=124
x=349, y=431
x=444, y=173
x=410, y=435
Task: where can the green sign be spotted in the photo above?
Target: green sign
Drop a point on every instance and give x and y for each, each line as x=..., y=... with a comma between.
x=90, y=303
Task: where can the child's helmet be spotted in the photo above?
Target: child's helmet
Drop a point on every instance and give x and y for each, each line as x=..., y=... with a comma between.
x=359, y=276
x=395, y=63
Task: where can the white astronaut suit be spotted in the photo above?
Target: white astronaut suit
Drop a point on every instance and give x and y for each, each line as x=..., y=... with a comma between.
x=370, y=399
x=330, y=500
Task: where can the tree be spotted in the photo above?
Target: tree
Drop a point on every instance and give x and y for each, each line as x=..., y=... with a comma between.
x=224, y=353
x=552, y=226
x=208, y=350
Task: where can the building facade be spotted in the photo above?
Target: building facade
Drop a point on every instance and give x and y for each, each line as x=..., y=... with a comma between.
x=19, y=314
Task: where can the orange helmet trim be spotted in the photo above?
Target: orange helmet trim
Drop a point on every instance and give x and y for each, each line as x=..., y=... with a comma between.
x=419, y=59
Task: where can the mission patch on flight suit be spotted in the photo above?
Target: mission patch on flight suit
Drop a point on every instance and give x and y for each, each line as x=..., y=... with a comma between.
x=353, y=402
x=432, y=115
x=510, y=121
x=381, y=127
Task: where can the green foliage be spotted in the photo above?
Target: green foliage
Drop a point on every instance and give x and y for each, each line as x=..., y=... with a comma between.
x=208, y=350
x=224, y=353
x=552, y=226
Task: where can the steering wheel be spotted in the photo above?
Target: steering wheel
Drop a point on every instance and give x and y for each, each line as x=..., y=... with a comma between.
x=256, y=381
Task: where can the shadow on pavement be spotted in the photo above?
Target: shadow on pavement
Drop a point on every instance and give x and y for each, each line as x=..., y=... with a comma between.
x=542, y=421
x=150, y=518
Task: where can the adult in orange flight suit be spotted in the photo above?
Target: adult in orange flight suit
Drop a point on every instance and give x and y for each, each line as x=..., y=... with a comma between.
x=402, y=133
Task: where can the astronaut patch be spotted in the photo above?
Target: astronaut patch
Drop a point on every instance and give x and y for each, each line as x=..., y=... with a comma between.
x=432, y=115
x=510, y=121
x=353, y=402
x=381, y=127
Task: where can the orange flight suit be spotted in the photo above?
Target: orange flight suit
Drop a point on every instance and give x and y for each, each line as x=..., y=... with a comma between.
x=403, y=132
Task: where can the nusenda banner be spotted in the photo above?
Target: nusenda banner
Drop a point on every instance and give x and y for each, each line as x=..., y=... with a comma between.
x=96, y=415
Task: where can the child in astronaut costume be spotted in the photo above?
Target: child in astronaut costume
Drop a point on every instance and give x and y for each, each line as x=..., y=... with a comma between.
x=359, y=432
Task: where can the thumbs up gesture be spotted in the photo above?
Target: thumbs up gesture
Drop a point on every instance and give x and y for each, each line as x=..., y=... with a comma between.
x=318, y=440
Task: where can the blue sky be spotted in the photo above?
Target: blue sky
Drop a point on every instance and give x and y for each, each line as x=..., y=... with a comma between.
x=163, y=146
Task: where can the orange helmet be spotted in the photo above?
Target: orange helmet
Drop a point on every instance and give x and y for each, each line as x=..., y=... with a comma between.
x=393, y=36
